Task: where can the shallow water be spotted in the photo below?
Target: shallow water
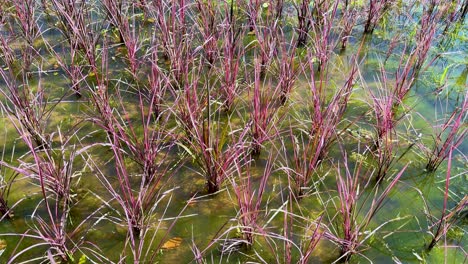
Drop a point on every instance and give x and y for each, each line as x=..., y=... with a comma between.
x=212, y=218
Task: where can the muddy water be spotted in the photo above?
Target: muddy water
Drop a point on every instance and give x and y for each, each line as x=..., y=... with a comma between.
x=208, y=220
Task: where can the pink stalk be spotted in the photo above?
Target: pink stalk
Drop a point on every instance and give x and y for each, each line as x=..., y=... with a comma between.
x=391, y=46
x=3, y=14
x=384, y=104
x=118, y=13
x=266, y=31
x=54, y=177
x=287, y=69
x=448, y=218
x=212, y=145
x=377, y=9
x=77, y=26
x=304, y=19
x=427, y=31
x=452, y=14
x=249, y=197
x=190, y=103
x=408, y=70
x=353, y=226
x=348, y=22
x=73, y=69
x=29, y=108
x=451, y=135
x=278, y=7
x=25, y=11
x=232, y=53
x=325, y=117
x=312, y=242
x=100, y=97
x=207, y=24
x=288, y=226
x=253, y=8
x=171, y=24
x=322, y=29
x=6, y=211
x=157, y=83
x=263, y=110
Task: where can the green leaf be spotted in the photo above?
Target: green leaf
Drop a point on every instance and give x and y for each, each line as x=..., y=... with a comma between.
x=461, y=80
x=224, y=135
x=186, y=150
x=82, y=259
x=443, y=77
x=418, y=256
x=70, y=256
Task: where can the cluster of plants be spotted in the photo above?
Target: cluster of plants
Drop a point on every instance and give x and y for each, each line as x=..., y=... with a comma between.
x=301, y=120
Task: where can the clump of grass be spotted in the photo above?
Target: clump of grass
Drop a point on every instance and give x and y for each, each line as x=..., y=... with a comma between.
x=171, y=27
x=385, y=103
x=288, y=71
x=325, y=115
x=304, y=21
x=252, y=10
x=80, y=30
x=122, y=16
x=212, y=143
x=449, y=136
x=416, y=61
x=191, y=97
x=263, y=110
x=386, y=120
x=448, y=217
x=25, y=102
x=301, y=232
x=158, y=84
x=138, y=201
x=53, y=171
x=377, y=9
x=138, y=195
x=6, y=183
x=208, y=15
x=348, y=22
x=72, y=66
x=6, y=212
x=145, y=141
x=232, y=53
x=249, y=197
x=266, y=38
x=26, y=17
x=323, y=40
x=353, y=223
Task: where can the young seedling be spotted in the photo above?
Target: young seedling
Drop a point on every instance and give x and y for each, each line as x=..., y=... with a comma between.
x=354, y=221
x=449, y=217
x=450, y=135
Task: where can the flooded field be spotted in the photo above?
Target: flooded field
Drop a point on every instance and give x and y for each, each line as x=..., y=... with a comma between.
x=237, y=131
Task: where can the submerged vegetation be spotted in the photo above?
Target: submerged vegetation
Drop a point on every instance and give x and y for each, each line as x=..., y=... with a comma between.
x=266, y=131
